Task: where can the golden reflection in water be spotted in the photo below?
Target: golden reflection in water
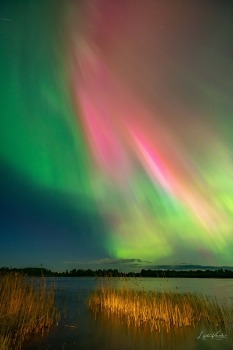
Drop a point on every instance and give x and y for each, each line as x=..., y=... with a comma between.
x=119, y=336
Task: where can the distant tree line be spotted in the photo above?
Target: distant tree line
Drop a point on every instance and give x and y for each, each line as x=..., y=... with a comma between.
x=39, y=271
x=220, y=273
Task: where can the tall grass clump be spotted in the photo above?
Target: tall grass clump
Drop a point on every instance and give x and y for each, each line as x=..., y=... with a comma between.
x=27, y=307
x=159, y=311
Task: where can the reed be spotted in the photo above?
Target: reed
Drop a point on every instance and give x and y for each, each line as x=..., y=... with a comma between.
x=27, y=307
x=159, y=311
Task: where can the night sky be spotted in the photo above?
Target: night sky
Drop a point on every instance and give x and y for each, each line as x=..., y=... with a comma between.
x=116, y=133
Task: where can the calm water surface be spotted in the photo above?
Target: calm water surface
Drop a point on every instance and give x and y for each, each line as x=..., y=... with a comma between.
x=78, y=329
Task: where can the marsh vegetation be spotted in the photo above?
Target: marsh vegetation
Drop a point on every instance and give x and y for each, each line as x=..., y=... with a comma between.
x=27, y=307
x=161, y=311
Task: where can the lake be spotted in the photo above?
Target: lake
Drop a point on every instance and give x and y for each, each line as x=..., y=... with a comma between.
x=78, y=328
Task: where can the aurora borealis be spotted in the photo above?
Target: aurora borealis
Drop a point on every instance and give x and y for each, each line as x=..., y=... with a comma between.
x=116, y=132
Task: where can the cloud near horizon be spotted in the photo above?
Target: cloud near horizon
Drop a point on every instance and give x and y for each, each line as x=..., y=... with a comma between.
x=135, y=265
